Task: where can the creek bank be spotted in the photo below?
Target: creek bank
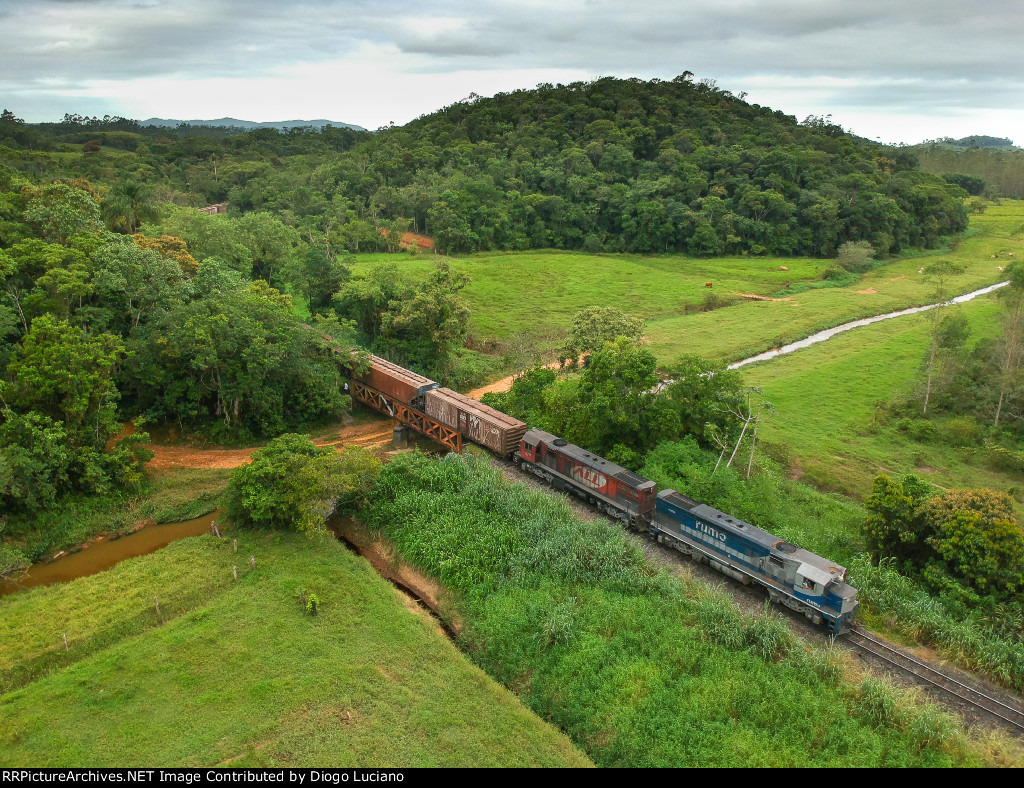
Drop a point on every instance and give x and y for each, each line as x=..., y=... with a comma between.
x=103, y=552
x=828, y=333
x=426, y=594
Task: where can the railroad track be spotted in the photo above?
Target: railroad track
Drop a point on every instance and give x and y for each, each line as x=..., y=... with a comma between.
x=993, y=707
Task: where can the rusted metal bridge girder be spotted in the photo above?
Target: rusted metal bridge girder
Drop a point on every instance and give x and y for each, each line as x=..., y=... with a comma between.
x=403, y=414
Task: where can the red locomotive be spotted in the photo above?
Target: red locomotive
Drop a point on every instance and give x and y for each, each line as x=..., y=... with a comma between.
x=609, y=487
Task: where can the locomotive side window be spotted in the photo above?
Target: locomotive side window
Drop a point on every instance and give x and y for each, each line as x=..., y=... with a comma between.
x=808, y=584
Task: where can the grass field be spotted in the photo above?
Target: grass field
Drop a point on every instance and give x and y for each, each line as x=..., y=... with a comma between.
x=236, y=673
x=827, y=394
x=539, y=292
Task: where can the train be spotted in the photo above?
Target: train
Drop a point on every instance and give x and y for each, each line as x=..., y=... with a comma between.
x=792, y=576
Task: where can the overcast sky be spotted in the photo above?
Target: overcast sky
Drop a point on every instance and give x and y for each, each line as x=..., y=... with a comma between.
x=895, y=70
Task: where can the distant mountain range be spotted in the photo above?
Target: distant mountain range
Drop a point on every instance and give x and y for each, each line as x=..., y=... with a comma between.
x=280, y=125
x=975, y=141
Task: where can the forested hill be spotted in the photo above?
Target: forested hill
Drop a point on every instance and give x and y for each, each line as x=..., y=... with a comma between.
x=612, y=165
x=644, y=166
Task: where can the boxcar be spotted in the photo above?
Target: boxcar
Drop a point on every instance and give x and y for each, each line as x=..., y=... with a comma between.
x=396, y=382
x=609, y=487
x=475, y=421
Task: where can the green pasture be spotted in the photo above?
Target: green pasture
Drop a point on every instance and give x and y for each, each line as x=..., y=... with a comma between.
x=538, y=292
x=237, y=673
x=827, y=419
x=750, y=328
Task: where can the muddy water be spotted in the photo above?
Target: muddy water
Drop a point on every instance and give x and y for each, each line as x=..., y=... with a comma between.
x=105, y=553
x=828, y=333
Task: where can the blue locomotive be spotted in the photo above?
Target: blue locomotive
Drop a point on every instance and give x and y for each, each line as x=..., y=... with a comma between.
x=792, y=576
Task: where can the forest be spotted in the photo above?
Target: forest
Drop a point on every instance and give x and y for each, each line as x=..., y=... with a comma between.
x=615, y=165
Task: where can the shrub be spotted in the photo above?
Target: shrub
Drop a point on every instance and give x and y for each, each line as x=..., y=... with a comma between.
x=855, y=256
x=292, y=483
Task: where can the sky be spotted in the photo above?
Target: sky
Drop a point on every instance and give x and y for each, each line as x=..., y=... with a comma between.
x=899, y=71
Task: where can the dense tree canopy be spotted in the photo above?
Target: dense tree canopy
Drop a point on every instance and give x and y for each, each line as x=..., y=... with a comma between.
x=956, y=540
x=614, y=164
x=613, y=408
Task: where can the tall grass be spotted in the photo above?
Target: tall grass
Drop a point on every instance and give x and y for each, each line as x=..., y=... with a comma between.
x=829, y=525
x=639, y=667
x=965, y=637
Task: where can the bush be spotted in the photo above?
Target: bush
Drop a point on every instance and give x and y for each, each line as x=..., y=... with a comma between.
x=961, y=431
x=291, y=483
x=920, y=430
x=855, y=256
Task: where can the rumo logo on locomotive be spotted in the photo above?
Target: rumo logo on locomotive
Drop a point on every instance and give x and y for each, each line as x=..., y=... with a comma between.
x=793, y=577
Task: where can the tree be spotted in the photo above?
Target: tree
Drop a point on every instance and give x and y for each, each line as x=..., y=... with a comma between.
x=415, y=323
x=34, y=460
x=22, y=265
x=704, y=395
x=894, y=526
x=270, y=244
x=136, y=280
x=855, y=256
x=595, y=326
x=171, y=248
x=940, y=273
x=292, y=483
x=67, y=374
x=129, y=204
x=614, y=412
x=237, y=356
x=976, y=536
x=431, y=323
x=59, y=211
x=319, y=276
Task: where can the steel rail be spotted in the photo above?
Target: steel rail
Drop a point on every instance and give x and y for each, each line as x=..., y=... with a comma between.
x=968, y=694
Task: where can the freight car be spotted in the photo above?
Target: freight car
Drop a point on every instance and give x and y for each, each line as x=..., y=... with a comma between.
x=475, y=421
x=791, y=575
x=607, y=486
x=396, y=382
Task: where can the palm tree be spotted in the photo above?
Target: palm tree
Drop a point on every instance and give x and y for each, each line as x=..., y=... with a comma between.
x=129, y=205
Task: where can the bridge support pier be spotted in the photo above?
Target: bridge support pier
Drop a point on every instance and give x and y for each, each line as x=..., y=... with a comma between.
x=400, y=436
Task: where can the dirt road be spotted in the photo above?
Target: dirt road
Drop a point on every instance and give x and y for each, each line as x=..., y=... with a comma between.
x=374, y=434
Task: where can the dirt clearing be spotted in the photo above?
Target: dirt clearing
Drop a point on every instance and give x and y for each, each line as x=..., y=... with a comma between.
x=372, y=435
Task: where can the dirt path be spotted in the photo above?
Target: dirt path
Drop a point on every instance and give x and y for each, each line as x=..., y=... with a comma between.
x=506, y=383
x=756, y=297
x=371, y=435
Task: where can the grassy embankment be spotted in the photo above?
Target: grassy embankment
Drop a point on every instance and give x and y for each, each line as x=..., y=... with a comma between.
x=639, y=667
x=236, y=673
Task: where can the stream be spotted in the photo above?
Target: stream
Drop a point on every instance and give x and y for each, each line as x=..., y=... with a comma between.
x=828, y=333
x=105, y=553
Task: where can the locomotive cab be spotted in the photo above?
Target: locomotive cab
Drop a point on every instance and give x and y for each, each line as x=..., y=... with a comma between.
x=812, y=581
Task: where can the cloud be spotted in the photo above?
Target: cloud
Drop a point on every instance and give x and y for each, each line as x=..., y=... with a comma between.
x=869, y=54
